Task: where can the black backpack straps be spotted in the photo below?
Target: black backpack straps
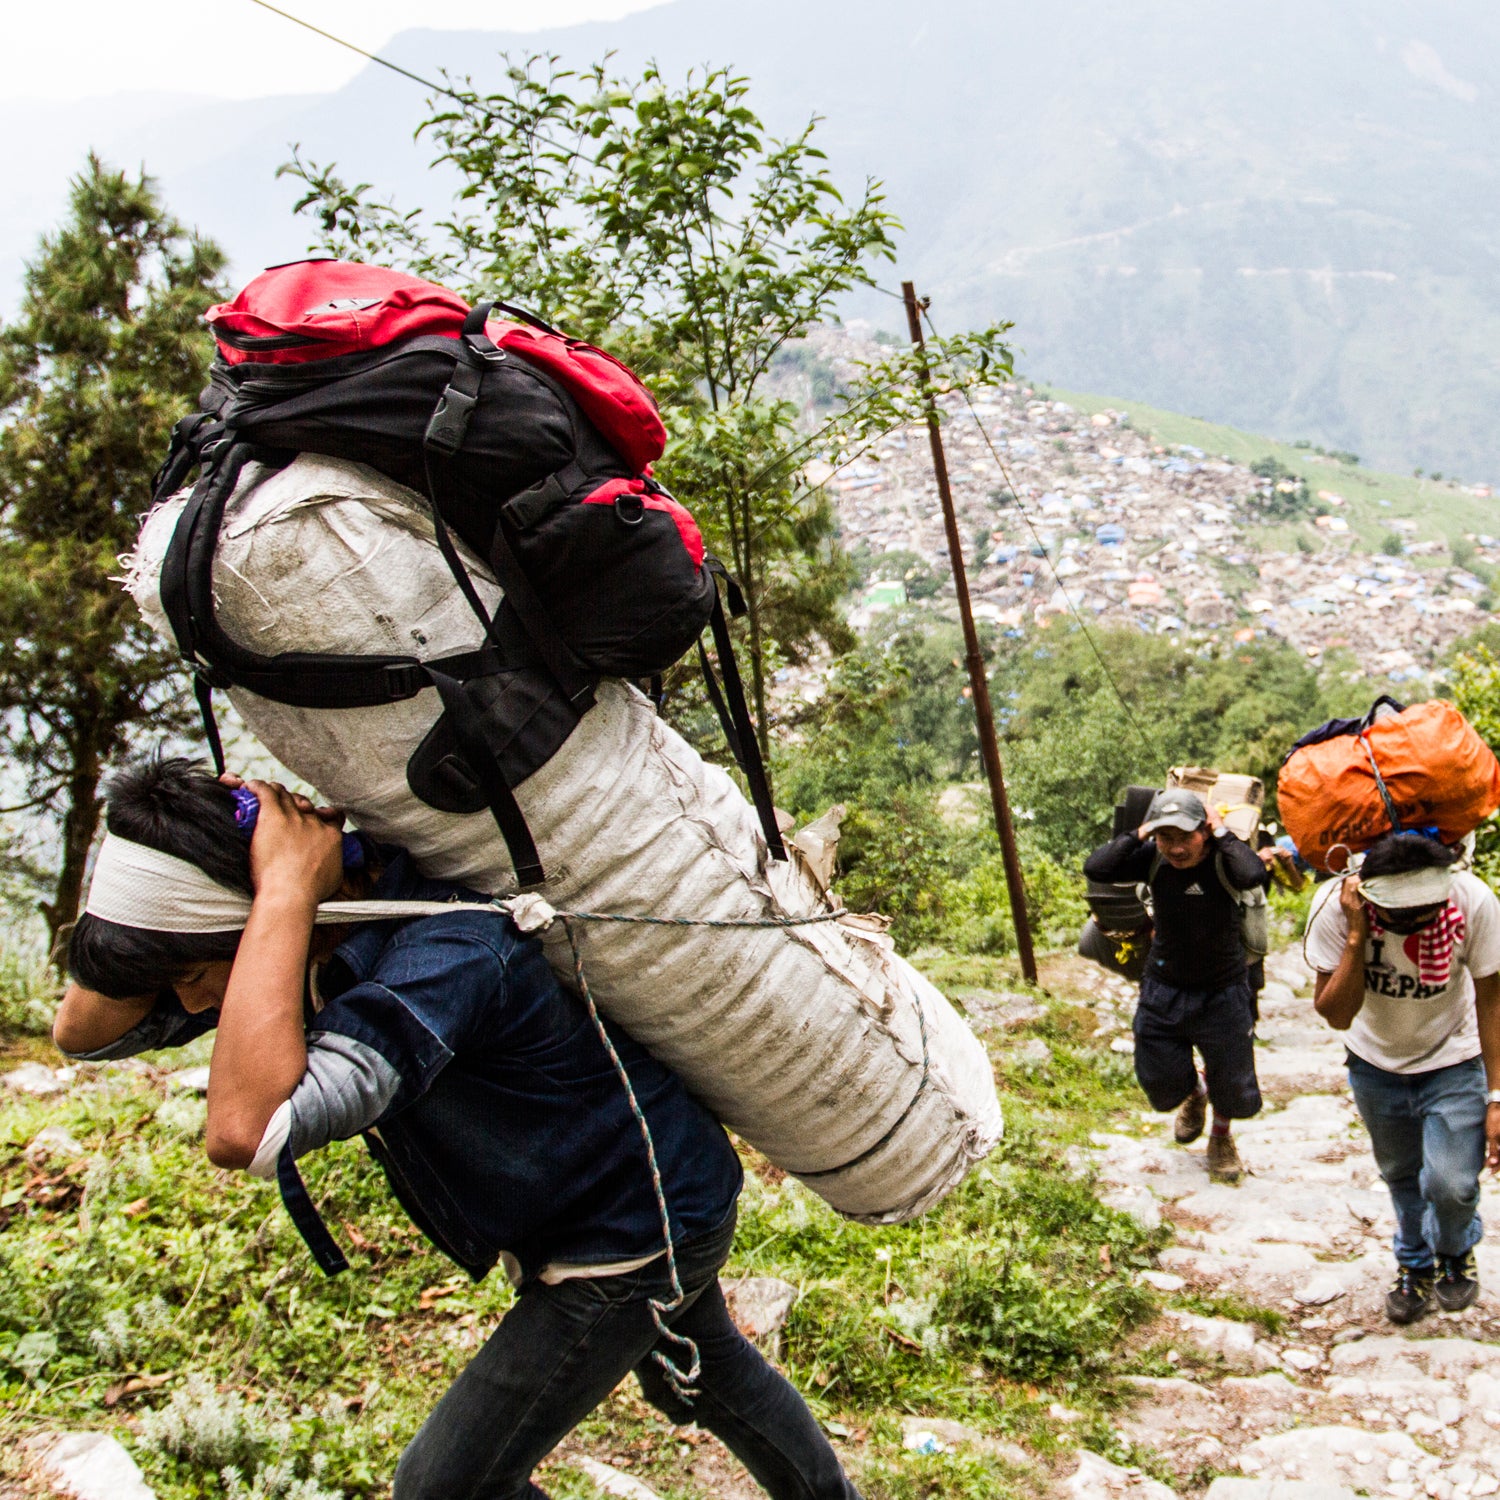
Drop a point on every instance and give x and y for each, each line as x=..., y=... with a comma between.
x=449, y=423
x=721, y=709
x=734, y=713
x=306, y=1217
x=481, y=758
x=189, y=437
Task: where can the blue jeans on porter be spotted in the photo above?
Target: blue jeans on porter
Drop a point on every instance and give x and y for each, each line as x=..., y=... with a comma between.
x=1427, y=1131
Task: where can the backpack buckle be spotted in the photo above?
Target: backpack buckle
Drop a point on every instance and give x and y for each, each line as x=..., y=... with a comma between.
x=485, y=348
x=404, y=679
x=449, y=422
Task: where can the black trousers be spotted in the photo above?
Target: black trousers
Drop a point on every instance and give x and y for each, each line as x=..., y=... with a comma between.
x=1171, y=1022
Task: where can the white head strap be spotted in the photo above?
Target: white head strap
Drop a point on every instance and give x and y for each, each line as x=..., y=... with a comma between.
x=1408, y=888
x=134, y=886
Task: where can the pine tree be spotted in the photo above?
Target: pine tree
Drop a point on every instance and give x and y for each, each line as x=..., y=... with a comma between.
x=106, y=353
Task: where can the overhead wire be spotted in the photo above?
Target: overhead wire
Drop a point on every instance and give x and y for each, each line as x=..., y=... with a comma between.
x=439, y=88
x=874, y=286
x=1146, y=740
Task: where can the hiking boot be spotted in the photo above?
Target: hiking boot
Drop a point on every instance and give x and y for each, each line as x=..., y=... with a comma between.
x=1224, y=1163
x=1188, y=1125
x=1411, y=1296
x=1458, y=1281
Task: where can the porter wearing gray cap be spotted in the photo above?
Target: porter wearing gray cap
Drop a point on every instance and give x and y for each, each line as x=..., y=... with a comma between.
x=1175, y=808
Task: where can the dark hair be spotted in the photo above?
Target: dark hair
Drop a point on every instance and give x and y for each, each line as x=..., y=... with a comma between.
x=175, y=806
x=1396, y=853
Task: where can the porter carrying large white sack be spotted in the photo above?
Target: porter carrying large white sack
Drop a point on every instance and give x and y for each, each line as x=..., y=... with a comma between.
x=816, y=1043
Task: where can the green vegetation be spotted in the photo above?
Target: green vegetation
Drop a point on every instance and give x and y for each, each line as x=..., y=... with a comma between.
x=659, y=219
x=1284, y=495
x=106, y=352
x=154, y=1296
x=1444, y=511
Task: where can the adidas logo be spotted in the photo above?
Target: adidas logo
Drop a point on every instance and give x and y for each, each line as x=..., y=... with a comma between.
x=1193, y=890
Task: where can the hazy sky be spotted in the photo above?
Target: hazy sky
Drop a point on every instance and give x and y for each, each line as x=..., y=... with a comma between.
x=70, y=49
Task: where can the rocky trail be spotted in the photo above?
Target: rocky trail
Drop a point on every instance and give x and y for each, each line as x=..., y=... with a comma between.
x=1337, y=1402
x=1278, y=1377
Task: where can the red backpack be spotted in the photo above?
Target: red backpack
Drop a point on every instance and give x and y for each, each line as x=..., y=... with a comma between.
x=533, y=447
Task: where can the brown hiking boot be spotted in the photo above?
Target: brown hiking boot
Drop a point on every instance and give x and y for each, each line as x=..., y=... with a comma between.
x=1190, y=1117
x=1224, y=1163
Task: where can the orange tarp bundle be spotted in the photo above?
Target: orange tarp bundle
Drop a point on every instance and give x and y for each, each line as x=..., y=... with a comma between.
x=1436, y=770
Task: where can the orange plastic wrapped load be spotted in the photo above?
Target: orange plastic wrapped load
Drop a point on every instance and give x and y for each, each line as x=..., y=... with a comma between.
x=1435, y=768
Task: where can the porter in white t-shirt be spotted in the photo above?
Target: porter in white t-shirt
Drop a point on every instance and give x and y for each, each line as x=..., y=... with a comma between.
x=1409, y=1025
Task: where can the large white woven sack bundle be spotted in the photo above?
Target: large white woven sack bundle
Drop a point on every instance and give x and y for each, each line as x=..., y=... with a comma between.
x=818, y=1045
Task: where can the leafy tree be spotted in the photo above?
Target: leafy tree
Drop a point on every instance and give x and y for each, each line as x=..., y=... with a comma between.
x=662, y=220
x=1070, y=745
x=105, y=354
x=1474, y=679
x=1282, y=493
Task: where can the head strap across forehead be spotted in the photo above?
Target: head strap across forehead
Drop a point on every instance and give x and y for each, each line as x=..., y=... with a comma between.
x=134, y=886
x=1409, y=888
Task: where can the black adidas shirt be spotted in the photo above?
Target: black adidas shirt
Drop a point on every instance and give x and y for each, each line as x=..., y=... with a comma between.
x=1197, y=944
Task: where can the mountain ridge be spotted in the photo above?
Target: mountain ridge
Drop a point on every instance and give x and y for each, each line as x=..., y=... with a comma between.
x=1282, y=218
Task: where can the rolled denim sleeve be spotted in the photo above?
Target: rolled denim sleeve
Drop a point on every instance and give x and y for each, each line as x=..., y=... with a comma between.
x=437, y=986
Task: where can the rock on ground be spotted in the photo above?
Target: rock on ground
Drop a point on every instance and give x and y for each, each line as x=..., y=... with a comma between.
x=88, y=1466
x=1343, y=1402
x=759, y=1306
x=611, y=1481
x=1097, y=1479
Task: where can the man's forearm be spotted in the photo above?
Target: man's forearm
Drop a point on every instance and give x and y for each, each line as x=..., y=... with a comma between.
x=261, y=1051
x=1487, y=1015
x=1341, y=995
x=87, y=1020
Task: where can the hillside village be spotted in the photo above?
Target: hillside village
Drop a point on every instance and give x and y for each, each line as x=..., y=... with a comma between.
x=1069, y=511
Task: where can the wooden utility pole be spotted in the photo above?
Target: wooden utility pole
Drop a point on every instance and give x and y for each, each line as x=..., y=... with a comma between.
x=989, y=747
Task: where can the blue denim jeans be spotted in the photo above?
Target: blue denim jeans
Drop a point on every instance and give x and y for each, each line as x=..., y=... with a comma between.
x=562, y=1349
x=1427, y=1130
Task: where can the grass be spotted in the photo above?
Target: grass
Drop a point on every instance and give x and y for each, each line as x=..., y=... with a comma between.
x=149, y=1294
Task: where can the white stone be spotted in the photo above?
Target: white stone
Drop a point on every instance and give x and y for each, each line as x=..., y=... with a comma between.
x=1122, y=1044
x=50, y=1142
x=1216, y=1335
x=194, y=1080
x=1034, y=1054
x=1096, y=1478
x=1327, y=1455
x=758, y=1304
x=1140, y=1203
x=1163, y=1281
x=36, y=1079
x=956, y=1435
x=612, y=1481
x=1321, y=1289
x=1228, y=1488
x=90, y=1466
x=1301, y=1359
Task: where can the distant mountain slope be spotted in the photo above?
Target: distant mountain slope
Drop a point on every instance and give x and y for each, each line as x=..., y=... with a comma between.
x=1281, y=215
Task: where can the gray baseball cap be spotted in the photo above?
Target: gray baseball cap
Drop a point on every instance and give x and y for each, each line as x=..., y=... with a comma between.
x=1175, y=808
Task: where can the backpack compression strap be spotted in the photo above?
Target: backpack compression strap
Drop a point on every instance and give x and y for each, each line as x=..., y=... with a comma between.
x=734, y=716
x=444, y=437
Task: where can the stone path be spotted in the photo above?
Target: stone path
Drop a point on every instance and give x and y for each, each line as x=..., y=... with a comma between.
x=1337, y=1402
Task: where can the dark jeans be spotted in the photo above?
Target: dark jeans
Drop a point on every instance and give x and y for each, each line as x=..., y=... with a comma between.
x=1427, y=1131
x=1170, y=1022
x=562, y=1349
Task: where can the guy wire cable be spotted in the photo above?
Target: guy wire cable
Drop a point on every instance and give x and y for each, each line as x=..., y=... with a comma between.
x=439, y=88
x=1015, y=494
